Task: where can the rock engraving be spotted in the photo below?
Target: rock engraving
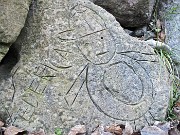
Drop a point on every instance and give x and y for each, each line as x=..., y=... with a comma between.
x=84, y=69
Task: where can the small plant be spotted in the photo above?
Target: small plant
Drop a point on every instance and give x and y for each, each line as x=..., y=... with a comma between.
x=58, y=131
x=172, y=10
x=166, y=59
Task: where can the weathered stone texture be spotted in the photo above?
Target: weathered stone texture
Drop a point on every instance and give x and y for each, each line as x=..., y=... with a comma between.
x=82, y=68
x=12, y=18
x=3, y=51
x=130, y=13
x=172, y=19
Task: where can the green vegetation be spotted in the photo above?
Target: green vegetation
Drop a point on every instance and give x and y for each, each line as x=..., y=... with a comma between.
x=172, y=10
x=166, y=60
x=58, y=131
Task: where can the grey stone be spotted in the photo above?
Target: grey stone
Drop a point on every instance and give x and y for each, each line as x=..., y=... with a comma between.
x=172, y=25
x=153, y=130
x=12, y=18
x=130, y=13
x=78, y=66
x=3, y=50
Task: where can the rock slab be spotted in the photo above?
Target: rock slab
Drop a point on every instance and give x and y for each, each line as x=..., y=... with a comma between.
x=130, y=13
x=12, y=18
x=172, y=19
x=78, y=66
x=13, y=14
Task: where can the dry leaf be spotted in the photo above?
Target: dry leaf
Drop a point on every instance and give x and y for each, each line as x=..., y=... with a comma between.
x=152, y=130
x=136, y=133
x=174, y=131
x=176, y=109
x=128, y=129
x=1, y=124
x=165, y=126
x=100, y=131
x=12, y=130
x=96, y=132
x=40, y=132
x=161, y=36
x=114, y=129
x=78, y=129
x=158, y=24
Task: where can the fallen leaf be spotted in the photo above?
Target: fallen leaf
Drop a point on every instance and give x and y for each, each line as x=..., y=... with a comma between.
x=78, y=129
x=174, y=131
x=100, y=131
x=153, y=130
x=165, y=126
x=116, y=129
x=176, y=109
x=40, y=132
x=158, y=24
x=128, y=129
x=161, y=36
x=11, y=130
x=96, y=132
x=136, y=133
x=1, y=123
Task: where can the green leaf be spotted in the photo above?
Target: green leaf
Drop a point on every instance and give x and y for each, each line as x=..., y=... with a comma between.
x=58, y=131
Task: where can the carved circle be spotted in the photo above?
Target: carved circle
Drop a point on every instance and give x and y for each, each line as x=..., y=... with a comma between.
x=120, y=90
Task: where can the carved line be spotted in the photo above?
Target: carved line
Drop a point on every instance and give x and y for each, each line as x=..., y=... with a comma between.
x=138, y=59
x=99, y=108
x=92, y=33
x=76, y=79
x=102, y=53
x=9, y=115
x=65, y=31
x=142, y=94
x=31, y=83
x=101, y=63
x=145, y=72
x=135, y=52
x=13, y=84
x=61, y=67
x=95, y=13
x=22, y=116
x=60, y=54
x=30, y=103
x=62, y=50
x=49, y=67
x=78, y=91
x=147, y=120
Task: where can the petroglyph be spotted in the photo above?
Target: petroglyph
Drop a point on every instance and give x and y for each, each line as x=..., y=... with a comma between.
x=84, y=69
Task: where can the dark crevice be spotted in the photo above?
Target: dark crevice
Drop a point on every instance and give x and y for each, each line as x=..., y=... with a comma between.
x=12, y=57
x=9, y=60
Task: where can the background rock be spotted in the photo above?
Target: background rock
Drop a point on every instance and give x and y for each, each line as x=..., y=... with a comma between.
x=172, y=25
x=78, y=66
x=130, y=13
x=3, y=50
x=12, y=18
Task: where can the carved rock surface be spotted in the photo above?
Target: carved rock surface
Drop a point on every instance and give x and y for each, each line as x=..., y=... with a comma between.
x=12, y=18
x=78, y=66
x=130, y=13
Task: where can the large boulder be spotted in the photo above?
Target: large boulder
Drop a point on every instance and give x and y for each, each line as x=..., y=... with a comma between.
x=78, y=66
x=172, y=25
x=3, y=50
x=12, y=18
x=130, y=13
x=13, y=14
